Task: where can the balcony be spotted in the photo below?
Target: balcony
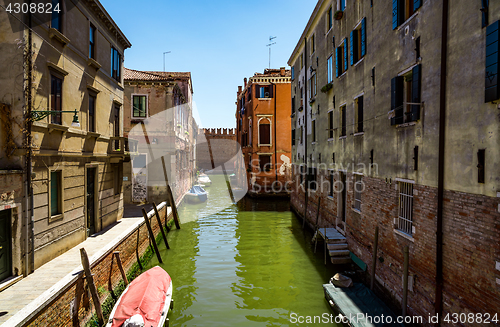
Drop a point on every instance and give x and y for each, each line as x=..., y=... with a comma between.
x=120, y=146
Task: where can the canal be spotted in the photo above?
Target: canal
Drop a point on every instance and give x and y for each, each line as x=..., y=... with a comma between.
x=248, y=264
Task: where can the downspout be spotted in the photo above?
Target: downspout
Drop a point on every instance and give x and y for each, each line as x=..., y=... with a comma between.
x=305, y=129
x=28, y=192
x=275, y=127
x=438, y=302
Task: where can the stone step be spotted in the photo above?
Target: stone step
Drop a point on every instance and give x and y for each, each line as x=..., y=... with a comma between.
x=341, y=260
x=337, y=246
x=336, y=240
x=339, y=253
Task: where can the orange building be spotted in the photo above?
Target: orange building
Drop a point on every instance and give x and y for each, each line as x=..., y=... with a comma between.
x=263, y=129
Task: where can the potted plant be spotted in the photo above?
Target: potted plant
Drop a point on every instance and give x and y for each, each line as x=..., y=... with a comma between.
x=338, y=15
x=327, y=87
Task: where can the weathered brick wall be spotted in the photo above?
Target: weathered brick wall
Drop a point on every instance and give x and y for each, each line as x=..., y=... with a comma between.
x=471, y=226
x=59, y=312
x=223, y=145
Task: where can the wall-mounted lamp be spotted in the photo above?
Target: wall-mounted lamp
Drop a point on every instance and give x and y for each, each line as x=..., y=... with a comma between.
x=39, y=115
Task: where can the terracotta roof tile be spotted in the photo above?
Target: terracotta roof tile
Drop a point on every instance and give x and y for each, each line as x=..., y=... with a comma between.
x=137, y=75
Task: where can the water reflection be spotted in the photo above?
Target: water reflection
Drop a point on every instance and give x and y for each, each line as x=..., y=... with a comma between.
x=247, y=265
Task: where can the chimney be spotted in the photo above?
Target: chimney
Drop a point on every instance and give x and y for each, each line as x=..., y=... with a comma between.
x=245, y=80
x=239, y=89
x=282, y=71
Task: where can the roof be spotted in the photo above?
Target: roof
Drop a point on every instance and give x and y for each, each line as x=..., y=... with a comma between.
x=138, y=75
x=273, y=73
x=110, y=23
x=306, y=29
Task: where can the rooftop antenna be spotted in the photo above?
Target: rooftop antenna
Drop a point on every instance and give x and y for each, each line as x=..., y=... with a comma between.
x=271, y=38
x=164, y=59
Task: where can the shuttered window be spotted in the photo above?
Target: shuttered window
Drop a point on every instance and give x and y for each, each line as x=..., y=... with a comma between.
x=359, y=114
x=91, y=113
x=56, y=99
x=293, y=137
x=341, y=58
x=140, y=106
x=329, y=64
x=330, y=124
x=358, y=42
x=55, y=193
x=402, y=10
x=343, y=130
x=264, y=134
x=265, y=162
x=406, y=96
x=492, y=91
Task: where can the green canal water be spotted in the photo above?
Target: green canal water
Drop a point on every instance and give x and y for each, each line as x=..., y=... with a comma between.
x=248, y=264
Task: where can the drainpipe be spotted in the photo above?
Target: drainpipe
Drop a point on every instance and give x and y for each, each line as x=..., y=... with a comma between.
x=275, y=127
x=305, y=128
x=438, y=301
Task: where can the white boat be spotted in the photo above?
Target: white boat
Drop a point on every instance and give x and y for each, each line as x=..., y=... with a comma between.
x=196, y=195
x=204, y=179
x=145, y=301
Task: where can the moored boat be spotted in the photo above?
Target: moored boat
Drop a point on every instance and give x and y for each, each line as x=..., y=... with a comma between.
x=204, y=179
x=145, y=301
x=196, y=195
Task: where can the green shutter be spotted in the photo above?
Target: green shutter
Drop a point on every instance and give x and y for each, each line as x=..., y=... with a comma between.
x=351, y=47
x=415, y=92
x=363, y=37
x=417, y=4
x=397, y=89
x=395, y=20
x=337, y=62
x=54, y=193
x=492, y=57
x=345, y=54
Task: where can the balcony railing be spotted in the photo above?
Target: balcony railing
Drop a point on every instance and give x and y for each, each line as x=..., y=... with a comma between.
x=122, y=145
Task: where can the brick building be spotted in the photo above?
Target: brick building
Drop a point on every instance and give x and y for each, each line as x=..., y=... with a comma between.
x=61, y=95
x=221, y=152
x=158, y=114
x=263, y=131
x=395, y=126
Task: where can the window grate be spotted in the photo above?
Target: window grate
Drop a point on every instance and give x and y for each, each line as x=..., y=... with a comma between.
x=405, y=221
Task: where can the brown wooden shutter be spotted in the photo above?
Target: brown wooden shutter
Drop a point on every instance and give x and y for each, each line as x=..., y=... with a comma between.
x=492, y=58
x=265, y=133
x=415, y=92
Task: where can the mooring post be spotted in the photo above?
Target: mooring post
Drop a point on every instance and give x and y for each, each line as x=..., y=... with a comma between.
x=316, y=227
x=374, y=258
x=405, y=279
x=151, y=235
x=90, y=282
x=110, y=286
x=159, y=224
x=119, y=263
x=170, y=197
x=77, y=300
x=137, y=249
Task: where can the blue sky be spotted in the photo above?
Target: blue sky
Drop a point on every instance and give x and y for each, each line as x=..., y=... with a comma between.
x=219, y=41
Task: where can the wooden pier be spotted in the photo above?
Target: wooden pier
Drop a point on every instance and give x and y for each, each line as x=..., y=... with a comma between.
x=335, y=245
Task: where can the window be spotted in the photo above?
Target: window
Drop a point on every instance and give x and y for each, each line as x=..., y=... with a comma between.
x=405, y=97
x=313, y=130
x=492, y=87
x=341, y=58
x=329, y=19
x=56, y=18
x=265, y=91
x=293, y=73
x=301, y=134
x=332, y=183
x=480, y=165
x=312, y=86
x=116, y=64
x=405, y=217
x=117, y=178
x=301, y=61
x=343, y=130
x=330, y=124
x=264, y=132
x=139, y=109
x=313, y=44
x=358, y=188
x=56, y=98
x=55, y=194
x=358, y=42
x=265, y=162
x=359, y=114
x=342, y=200
x=402, y=10
x=311, y=178
x=293, y=105
x=92, y=42
x=342, y=5
x=329, y=64
x=293, y=137
x=92, y=100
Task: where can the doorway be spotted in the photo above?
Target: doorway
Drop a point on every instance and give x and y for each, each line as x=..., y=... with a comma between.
x=5, y=245
x=91, y=183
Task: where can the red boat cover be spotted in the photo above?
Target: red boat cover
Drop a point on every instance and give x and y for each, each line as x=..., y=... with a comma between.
x=145, y=296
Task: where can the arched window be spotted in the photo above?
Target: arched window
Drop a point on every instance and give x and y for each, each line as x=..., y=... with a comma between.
x=264, y=131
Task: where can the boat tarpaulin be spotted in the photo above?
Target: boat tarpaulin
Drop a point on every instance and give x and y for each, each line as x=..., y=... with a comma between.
x=145, y=296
